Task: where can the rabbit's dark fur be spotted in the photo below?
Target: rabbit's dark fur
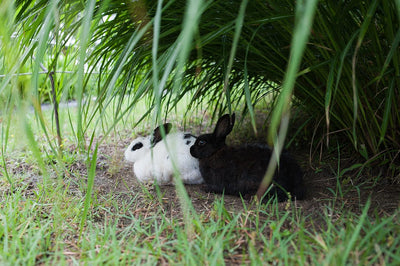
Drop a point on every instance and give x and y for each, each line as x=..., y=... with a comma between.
x=240, y=170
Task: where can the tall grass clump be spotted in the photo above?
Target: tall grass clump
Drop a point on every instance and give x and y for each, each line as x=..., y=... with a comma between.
x=348, y=80
x=350, y=75
x=223, y=53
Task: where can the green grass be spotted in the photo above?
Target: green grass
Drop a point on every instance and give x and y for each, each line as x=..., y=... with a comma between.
x=44, y=228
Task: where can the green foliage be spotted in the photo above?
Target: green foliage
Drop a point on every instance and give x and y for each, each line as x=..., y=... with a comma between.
x=350, y=68
x=222, y=55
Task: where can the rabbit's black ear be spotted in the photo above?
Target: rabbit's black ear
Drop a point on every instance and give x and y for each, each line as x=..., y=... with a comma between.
x=224, y=126
x=232, y=120
x=157, y=136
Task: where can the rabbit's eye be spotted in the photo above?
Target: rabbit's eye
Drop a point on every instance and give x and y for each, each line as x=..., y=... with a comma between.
x=202, y=142
x=137, y=146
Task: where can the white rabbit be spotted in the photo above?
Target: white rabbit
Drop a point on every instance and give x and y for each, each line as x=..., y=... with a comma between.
x=153, y=157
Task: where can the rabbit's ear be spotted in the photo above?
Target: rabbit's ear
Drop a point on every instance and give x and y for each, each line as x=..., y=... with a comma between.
x=232, y=120
x=157, y=136
x=224, y=126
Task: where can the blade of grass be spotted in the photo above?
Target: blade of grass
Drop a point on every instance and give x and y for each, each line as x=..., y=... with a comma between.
x=43, y=39
x=304, y=17
x=89, y=189
x=238, y=29
x=5, y=132
x=363, y=31
x=247, y=88
x=156, y=36
x=356, y=232
x=388, y=107
x=33, y=145
x=192, y=15
x=328, y=97
x=83, y=42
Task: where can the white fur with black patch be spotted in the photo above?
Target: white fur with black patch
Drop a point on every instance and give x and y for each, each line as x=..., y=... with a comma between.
x=156, y=163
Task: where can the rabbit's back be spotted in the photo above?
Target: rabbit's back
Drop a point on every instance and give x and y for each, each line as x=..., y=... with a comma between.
x=235, y=170
x=290, y=176
x=240, y=170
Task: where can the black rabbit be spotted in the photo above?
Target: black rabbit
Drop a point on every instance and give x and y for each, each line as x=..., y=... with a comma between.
x=240, y=170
